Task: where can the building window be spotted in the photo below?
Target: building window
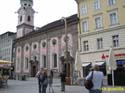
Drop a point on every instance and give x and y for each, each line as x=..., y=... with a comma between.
x=26, y=63
x=28, y=18
x=85, y=46
x=44, y=61
x=20, y=18
x=54, y=60
x=111, y=2
x=124, y=1
x=113, y=18
x=83, y=10
x=115, y=40
x=85, y=26
x=54, y=41
x=44, y=44
x=27, y=48
x=99, y=43
x=98, y=22
x=34, y=46
x=96, y=4
x=18, y=50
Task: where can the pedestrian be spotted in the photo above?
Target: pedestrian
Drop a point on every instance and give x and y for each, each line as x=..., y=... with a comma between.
x=39, y=76
x=63, y=79
x=97, y=79
x=44, y=81
x=50, y=81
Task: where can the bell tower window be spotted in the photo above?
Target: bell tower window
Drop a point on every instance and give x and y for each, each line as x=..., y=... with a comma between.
x=28, y=19
x=20, y=18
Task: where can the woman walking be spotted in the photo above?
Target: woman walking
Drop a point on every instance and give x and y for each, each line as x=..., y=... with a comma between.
x=45, y=81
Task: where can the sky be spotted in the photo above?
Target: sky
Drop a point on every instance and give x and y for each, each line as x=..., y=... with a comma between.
x=47, y=11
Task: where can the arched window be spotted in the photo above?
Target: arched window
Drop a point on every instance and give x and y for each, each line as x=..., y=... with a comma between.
x=44, y=44
x=27, y=48
x=44, y=61
x=54, y=60
x=54, y=41
x=20, y=18
x=28, y=19
x=34, y=46
x=18, y=50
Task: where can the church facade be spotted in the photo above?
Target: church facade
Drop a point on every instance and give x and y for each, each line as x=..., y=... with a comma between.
x=45, y=46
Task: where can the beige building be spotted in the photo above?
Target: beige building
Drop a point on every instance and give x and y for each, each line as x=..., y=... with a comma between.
x=101, y=25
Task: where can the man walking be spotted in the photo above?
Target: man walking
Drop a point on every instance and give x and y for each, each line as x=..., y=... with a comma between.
x=39, y=75
x=97, y=79
x=63, y=79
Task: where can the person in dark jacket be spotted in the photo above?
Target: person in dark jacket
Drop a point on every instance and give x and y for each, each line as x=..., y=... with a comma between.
x=63, y=79
x=44, y=81
x=39, y=76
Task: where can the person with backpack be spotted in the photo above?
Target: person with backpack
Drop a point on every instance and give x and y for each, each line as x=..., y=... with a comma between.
x=97, y=79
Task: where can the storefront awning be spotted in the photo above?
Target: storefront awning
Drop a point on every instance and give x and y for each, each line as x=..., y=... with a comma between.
x=4, y=62
x=85, y=64
x=99, y=63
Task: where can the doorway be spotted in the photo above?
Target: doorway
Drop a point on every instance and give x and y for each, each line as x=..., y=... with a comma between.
x=34, y=71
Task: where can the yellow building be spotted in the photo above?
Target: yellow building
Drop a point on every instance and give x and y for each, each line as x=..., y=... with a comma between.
x=101, y=26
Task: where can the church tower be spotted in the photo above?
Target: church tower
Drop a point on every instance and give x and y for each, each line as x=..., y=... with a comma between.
x=25, y=18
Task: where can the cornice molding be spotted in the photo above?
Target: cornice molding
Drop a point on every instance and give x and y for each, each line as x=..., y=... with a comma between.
x=102, y=50
x=101, y=31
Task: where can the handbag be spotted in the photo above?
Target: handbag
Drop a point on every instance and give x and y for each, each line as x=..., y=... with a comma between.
x=88, y=83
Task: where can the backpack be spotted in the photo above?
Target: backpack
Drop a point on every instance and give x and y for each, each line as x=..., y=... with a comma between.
x=88, y=83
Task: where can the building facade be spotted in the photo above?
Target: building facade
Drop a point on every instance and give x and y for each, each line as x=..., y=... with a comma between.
x=101, y=26
x=44, y=47
x=6, y=45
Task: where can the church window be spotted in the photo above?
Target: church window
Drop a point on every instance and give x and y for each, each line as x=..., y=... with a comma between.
x=28, y=19
x=34, y=46
x=24, y=8
x=44, y=61
x=54, y=60
x=20, y=18
x=18, y=50
x=54, y=41
x=27, y=48
x=44, y=44
x=25, y=4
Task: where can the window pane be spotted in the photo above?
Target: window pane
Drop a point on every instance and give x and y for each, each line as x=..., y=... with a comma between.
x=113, y=18
x=115, y=40
x=99, y=43
x=85, y=46
x=85, y=26
x=55, y=60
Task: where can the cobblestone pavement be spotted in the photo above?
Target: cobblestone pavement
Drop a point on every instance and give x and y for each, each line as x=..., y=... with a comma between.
x=31, y=86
